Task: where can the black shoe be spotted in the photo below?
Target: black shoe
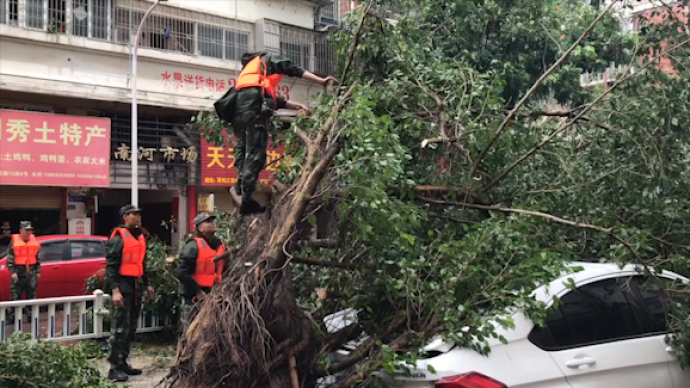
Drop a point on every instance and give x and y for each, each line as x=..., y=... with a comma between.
x=126, y=368
x=250, y=206
x=117, y=375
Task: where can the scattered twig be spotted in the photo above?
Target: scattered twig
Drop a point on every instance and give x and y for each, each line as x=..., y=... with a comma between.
x=323, y=263
x=355, y=42
x=318, y=243
x=534, y=213
x=570, y=123
x=548, y=217
x=536, y=85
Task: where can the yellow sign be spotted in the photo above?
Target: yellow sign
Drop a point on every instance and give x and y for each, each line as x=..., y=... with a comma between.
x=205, y=203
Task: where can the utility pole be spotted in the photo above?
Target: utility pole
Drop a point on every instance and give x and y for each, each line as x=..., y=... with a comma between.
x=135, y=112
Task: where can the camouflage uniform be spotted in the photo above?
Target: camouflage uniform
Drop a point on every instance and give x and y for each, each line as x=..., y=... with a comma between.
x=27, y=281
x=187, y=267
x=124, y=321
x=253, y=112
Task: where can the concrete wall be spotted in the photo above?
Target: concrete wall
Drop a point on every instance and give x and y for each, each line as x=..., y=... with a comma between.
x=33, y=61
x=295, y=12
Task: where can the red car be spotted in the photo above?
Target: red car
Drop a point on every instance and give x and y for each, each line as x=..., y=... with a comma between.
x=66, y=262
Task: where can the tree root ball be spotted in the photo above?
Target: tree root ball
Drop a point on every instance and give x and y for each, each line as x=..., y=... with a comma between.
x=247, y=328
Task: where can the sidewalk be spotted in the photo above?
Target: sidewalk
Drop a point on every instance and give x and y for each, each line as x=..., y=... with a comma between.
x=155, y=369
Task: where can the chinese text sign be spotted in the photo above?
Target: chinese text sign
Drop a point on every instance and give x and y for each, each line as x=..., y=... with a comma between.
x=210, y=84
x=218, y=164
x=39, y=149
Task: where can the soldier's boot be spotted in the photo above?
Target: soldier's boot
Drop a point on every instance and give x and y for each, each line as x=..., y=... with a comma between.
x=129, y=370
x=250, y=206
x=117, y=375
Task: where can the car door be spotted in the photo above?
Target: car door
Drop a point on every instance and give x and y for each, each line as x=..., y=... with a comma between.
x=87, y=257
x=53, y=256
x=655, y=309
x=597, y=340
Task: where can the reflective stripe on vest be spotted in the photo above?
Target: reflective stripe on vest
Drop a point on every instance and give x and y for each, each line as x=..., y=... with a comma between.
x=25, y=252
x=133, y=253
x=207, y=272
x=254, y=76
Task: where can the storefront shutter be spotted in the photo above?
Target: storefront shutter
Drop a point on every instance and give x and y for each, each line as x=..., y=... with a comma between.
x=222, y=198
x=31, y=197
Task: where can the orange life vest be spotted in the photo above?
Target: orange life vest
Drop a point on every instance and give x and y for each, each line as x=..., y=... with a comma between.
x=25, y=252
x=133, y=253
x=254, y=75
x=207, y=272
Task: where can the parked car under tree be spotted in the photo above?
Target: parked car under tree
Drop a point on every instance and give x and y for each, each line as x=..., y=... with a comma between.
x=608, y=331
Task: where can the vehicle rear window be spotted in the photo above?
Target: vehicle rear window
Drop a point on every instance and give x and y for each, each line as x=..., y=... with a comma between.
x=52, y=251
x=87, y=249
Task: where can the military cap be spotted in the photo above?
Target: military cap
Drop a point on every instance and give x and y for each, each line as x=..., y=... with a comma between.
x=127, y=209
x=203, y=217
x=25, y=225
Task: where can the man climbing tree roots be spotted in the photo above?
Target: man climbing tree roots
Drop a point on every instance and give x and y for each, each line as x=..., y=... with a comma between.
x=256, y=100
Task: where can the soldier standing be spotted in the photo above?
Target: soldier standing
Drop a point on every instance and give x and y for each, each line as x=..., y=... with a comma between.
x=126, y=280
x=256, y=100
x=23, y=263
x=197, y=272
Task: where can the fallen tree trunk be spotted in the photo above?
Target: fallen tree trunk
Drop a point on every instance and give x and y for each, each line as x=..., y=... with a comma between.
x=249, y=331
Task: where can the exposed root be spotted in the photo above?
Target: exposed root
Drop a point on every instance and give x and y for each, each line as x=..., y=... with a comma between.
x=249, y=328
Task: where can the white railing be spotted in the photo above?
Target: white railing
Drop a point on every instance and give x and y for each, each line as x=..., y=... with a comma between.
x=54, y=332
x=611, y=74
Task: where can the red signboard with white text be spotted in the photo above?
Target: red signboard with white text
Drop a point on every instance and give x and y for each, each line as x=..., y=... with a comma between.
x=191, y=81
x=41, y=149
x=218, y=163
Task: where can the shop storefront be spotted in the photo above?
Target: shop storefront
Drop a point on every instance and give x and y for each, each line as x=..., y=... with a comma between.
x=168, y=163
x=41, y=156
x=43, y=206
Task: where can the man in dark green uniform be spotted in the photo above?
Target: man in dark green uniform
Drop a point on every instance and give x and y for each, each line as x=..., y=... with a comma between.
x=252, y=119
x=190, y=290
x=24, y=264
x=124, y=261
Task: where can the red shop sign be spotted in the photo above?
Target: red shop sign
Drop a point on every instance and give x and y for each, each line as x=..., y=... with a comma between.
x=41, y=149
x=218, y=163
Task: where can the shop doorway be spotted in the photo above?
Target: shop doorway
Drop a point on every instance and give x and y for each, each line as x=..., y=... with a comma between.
x=156, y=205
x=44, y=221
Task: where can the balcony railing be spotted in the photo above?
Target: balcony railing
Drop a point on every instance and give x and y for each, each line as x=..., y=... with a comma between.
x=308, y=49
x=327, y=16
x=168, y=28
x=611, y=74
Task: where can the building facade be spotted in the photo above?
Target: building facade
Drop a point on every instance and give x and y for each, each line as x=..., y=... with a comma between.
x=634, y=16
x=65, y=64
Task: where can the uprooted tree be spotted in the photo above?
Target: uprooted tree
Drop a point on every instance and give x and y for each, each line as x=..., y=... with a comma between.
x=459, y=164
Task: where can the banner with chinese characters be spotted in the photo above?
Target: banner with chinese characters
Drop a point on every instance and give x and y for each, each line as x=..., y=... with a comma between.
x=218, y=164
x=41, y=149
x=79, y=226
x=198, y=83
x=206, y=203
x=168, y=154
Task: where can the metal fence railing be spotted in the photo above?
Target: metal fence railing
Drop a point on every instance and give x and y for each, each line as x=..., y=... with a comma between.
x=308, y=49
x=67, y=318
x=611, y=74
x=168, y=28
x=171, y=28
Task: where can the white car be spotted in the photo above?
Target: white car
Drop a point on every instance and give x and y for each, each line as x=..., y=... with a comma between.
x=609, y=332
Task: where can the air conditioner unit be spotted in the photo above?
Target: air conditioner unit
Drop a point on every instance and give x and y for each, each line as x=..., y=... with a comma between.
x=326, y=21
